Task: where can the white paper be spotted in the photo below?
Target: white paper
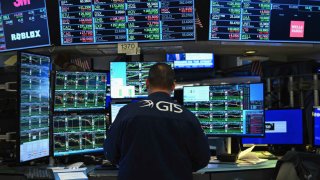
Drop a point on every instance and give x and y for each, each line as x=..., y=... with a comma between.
x=72, y=175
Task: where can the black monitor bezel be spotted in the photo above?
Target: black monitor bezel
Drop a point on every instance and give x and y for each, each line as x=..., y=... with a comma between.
x=134, y=97
x=234, y=135
x=77, y=110
x=18, y=141
x=303, y=127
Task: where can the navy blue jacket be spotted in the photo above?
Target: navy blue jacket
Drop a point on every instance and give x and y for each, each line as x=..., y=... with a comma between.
x=156, y=139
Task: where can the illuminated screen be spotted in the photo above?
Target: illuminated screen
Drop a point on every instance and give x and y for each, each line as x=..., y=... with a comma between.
x=191, y=60
x=316, y=132
x=109, y=21
x=128, y=79
x=77, y=134
x=281, y=127
x=34, y=106
x=227, y=110
x=80, y=91
x=23, y=24
x=115, y=108
x=276, y=20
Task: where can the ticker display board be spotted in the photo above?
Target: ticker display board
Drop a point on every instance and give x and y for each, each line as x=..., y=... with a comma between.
x=110, y=21
x=264, y=20
x=23, y=24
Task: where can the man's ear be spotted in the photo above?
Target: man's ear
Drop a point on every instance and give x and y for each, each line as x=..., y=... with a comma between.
x=147, y=83
x=173, y=86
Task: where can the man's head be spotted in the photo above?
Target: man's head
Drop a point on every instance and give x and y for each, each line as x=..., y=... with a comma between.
x=160, y=79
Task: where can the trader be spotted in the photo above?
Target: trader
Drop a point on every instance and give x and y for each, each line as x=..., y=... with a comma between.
x=156, y=138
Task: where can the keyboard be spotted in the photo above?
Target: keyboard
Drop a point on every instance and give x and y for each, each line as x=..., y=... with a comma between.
x=38, y=173
x=106, y=167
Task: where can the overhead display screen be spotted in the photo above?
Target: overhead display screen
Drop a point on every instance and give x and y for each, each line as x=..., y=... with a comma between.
x=110, y=21
x=23, y=24
x=265, y=20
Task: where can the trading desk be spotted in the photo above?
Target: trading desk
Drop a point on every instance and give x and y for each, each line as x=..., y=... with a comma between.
x=263, y=171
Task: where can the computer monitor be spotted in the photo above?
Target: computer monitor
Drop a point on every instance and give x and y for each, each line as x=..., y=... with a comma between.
x=115, y=108
x=34, y=106
x=191, y=60
x=128, y=79
x=316, y=126
x=80, y=91
x=79, y=133
x=282, y=126
x=115, y=21
x=24, y=24
x=227, y=110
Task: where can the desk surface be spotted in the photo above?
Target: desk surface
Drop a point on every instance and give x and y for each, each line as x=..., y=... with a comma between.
x=222, y=167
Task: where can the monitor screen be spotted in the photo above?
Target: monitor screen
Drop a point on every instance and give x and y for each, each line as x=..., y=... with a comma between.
x=115, y=108
x=76, y=91
x=24, y=24
x=281, y=127
x=100, y=21
x=34, y=110
x=227, y=110
x=191, y=60
x=128, y=79
x=78, y=134
x=264, y=21
x=316, y=125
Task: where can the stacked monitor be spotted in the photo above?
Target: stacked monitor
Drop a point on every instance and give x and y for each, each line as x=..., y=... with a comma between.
x=264, y=21
x=80, y=119
x=34, y=106
x=282, y=127
x=316, y=126
x=98, y=21
x=24, y=24
x=79, y=133
x=191, y=60
x=227, y=110
x=128, y=79
x=80, y=91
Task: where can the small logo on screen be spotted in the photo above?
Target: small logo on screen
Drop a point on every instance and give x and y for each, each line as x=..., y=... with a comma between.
x=25, y=35
x=297, y=29
x=19, y=3
x=269, y=126
x=315, y=114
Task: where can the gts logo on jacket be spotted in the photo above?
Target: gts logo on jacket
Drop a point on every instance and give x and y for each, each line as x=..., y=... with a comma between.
x=163, y=106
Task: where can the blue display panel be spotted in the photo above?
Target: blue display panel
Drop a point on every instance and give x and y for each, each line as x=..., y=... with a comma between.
x=34, y=106
x=264, y=20
x=282, y=127
x=191, y=60
x=76, y=91
x=23, y=24
x=227, y=110
x=77, y=134
x=316, y=123
x=110, y=21
x=128, y=79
